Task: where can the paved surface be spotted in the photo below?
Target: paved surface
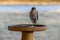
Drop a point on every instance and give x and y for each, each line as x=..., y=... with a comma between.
x=52, y=20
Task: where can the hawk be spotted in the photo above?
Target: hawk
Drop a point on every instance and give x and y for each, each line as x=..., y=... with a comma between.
x=34, y=15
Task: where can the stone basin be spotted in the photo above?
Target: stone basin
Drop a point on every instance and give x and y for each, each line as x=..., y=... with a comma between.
x=27, y=27
x=27, y=30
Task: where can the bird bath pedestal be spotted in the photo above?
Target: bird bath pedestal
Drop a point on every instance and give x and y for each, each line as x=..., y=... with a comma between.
x=27, y=30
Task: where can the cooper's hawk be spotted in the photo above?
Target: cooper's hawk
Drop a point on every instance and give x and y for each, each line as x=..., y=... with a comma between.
x=34, y=15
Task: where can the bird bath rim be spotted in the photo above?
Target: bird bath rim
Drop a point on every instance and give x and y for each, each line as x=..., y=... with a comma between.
x=28, y=25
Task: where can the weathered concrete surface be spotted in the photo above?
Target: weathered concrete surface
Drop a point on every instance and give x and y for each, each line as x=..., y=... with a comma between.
x=51, y=19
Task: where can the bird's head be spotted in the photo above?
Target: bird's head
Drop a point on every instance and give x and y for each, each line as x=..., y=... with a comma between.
x=33, y=9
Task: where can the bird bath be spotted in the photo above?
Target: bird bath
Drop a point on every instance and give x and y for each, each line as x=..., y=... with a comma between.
x=27, y=30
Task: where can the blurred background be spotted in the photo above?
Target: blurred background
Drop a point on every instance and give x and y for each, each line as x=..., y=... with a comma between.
x=49, y=15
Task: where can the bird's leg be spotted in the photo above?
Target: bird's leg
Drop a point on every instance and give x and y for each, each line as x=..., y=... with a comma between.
x=34, y=24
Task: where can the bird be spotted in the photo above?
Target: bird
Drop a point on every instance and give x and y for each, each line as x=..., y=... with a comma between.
x=33, y=16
